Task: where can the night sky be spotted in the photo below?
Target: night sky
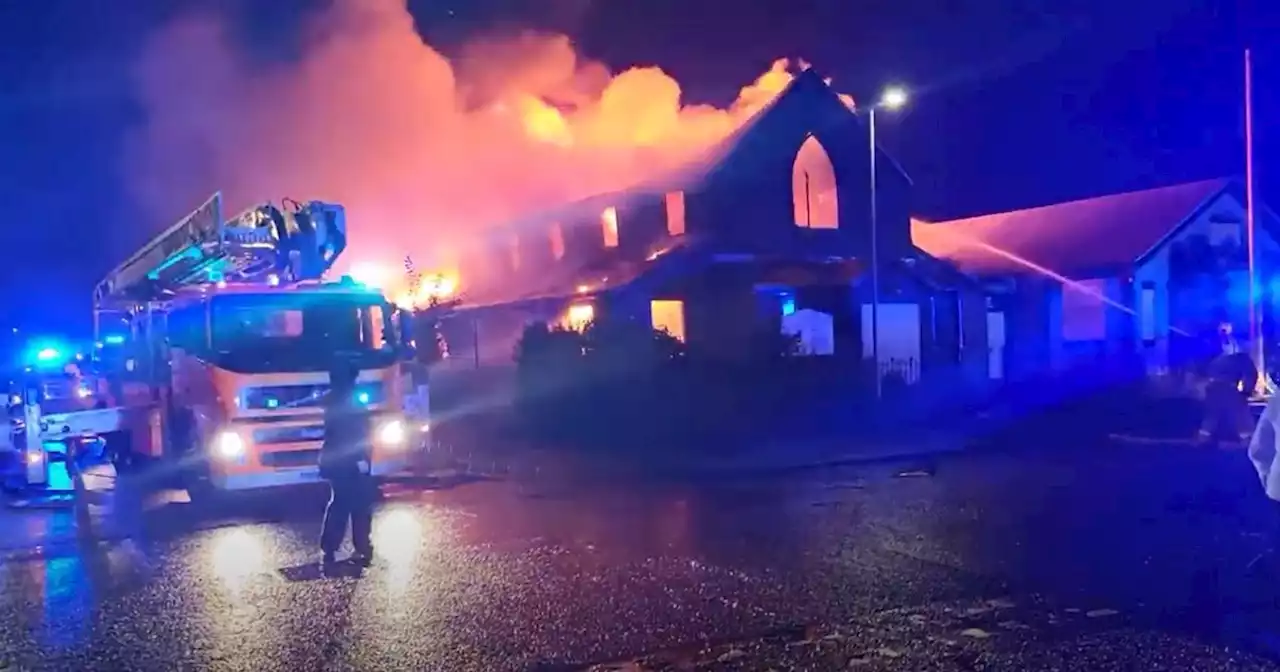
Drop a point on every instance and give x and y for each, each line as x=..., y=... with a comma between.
x=1017, y=103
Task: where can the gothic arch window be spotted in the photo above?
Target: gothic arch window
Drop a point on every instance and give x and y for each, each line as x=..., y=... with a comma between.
x=813, y=187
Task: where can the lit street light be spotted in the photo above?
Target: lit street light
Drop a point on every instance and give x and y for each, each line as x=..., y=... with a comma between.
x=893, y=98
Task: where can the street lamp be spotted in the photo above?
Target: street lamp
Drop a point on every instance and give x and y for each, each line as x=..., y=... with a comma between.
x=893, y=98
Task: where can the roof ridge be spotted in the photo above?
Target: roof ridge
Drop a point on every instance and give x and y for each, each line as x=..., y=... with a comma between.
x=1223, y=181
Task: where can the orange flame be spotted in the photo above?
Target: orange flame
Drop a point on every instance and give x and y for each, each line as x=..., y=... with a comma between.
x=423, y=151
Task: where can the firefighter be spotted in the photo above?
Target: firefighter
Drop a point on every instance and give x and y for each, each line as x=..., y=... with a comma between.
x=1232, y=378
x=345, y=464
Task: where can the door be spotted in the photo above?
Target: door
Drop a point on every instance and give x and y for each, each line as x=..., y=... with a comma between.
x=899, y=339
x=995, y=344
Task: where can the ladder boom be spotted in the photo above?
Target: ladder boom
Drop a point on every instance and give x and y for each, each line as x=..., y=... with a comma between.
x=202, y=247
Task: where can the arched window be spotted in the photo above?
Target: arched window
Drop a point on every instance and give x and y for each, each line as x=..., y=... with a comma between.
x=813, y=187
x=675, y=213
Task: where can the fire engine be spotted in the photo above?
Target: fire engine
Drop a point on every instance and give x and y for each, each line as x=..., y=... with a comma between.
x=214, y=343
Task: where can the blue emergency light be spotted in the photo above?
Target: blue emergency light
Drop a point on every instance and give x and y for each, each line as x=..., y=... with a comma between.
x=46, y=355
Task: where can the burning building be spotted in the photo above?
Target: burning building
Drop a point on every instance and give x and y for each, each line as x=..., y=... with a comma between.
x=772, y=230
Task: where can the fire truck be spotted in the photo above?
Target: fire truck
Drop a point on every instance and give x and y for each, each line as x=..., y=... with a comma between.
x=214, y=344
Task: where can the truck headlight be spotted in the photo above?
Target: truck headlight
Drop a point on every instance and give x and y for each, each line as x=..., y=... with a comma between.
x=392, y=433
x=228, y=445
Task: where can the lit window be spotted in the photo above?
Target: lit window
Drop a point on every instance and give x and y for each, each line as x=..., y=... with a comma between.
x=813, y=187
x=668, y=316
x=675, y=213
x=609, y=223
x=374, y=326
x=557, y=241
x=788, y=305
x=579, y=316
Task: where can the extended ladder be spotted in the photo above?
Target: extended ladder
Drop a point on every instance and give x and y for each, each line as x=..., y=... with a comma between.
x=202, y=248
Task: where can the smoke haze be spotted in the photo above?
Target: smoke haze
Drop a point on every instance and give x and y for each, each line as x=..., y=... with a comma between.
x=422, y=151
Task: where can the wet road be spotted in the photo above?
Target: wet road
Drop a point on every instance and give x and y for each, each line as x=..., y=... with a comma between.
x=1108, y=559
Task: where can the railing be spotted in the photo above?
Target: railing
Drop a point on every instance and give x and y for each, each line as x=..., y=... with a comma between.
x=908, y=368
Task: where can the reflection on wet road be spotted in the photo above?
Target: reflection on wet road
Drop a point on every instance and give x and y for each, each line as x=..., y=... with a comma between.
x=506, y=575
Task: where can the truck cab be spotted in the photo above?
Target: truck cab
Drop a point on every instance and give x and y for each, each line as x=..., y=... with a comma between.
x=250, y=373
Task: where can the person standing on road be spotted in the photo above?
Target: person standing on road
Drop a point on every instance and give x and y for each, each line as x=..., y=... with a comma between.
x=345, y=463
x=1232, y=379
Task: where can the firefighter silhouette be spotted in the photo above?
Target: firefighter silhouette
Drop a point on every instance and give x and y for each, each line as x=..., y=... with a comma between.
x=1232, y=377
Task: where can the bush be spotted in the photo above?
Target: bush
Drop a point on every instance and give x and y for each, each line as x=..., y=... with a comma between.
x=620, y=382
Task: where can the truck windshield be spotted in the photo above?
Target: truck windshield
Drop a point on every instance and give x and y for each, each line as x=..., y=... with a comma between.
x=299, y=331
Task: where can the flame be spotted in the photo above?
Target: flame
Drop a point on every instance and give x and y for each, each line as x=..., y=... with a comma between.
x=422, y=150
x=436, y=286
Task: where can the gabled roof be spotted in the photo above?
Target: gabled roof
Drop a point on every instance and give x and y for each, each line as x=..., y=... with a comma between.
x=693, y=173
x=1076, y=239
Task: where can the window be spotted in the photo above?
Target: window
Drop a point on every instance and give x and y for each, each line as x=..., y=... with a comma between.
x=578, y=316
x=374, y=324
x=1147, y=311
x=788, y=304
x=675, y=213
x=1225, y=232
x=1084, y=312
x=282, y=324
x=813, y=187
x=557, y=241
x=609, y=225
x=668, y=316
x=298, y=331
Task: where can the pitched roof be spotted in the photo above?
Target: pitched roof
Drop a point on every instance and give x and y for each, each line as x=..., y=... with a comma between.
x=598, y=275
x=692, y=174
x=1076, y=238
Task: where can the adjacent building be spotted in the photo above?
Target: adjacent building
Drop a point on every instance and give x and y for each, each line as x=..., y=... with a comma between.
x=1141, y=275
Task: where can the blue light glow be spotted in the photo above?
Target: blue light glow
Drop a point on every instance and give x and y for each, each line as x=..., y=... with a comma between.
x=46, y=354
x=113, y=339
x=788, y=305
x=363, y=397
x=272, y=402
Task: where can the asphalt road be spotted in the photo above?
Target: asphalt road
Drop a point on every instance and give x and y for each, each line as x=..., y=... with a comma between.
x=1110, y=558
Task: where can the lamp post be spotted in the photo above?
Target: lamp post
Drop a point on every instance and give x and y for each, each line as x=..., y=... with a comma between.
x=893, y=98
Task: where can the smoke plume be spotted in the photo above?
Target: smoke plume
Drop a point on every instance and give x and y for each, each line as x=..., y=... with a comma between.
x=424, y=152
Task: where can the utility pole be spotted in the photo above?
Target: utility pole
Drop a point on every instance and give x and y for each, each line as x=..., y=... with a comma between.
x=1256, y=345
